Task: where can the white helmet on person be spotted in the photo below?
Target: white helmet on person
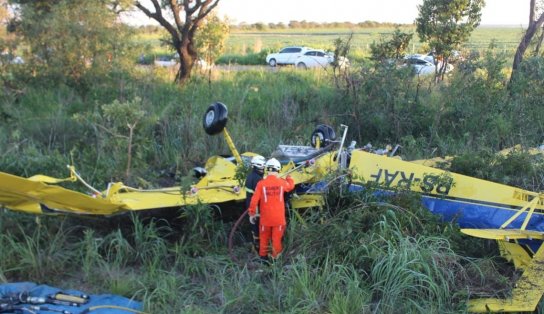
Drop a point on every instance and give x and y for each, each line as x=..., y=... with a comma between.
x=273, y=165
x=258, y=162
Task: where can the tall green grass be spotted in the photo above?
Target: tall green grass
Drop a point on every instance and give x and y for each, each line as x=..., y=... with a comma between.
x=381, y=105
x=377, y=264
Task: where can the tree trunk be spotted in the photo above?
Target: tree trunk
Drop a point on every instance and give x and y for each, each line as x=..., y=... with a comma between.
x=186, y=63
x=525, y=41
x=182, y=31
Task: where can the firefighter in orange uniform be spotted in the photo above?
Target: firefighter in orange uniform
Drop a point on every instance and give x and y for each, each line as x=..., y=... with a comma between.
x=256, y=175
x=269, y=196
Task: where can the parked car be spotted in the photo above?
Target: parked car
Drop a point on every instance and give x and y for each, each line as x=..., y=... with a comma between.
x=455, y=56
x=287, y=55
x=17, y=60
x=6, y=58
x=203, y=65
x=165, y=61
x=424, y=64
x=319, y=58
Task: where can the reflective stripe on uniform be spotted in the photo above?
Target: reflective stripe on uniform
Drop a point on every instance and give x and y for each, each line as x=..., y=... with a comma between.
x=264, y=194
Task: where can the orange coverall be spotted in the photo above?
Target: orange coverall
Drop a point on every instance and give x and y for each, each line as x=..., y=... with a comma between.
x=269, y=196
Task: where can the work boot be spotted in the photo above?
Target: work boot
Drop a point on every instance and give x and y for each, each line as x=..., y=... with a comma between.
x=265, y=260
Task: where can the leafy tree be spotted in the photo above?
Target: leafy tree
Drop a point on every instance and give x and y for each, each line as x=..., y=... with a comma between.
x=342, y=48
x=182, y=30
x=534, y=25
x=393, y=48
x=8, y=44
x=119, y=127
x=121, y=116
x=70, y=39
x=260, y=26
x=445, y=24
x=211, y=38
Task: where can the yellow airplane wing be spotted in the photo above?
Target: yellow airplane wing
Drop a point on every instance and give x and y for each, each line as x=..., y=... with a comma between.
x=504, y=234
x=41, y=194
x=530, y=286
x=37, y=197
x=22, y=194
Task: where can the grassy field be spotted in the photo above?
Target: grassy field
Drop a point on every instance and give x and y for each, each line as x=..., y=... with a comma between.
x=242, y=42
x=355, y=255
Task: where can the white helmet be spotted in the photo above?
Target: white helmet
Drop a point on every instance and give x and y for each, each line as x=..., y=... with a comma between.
x=273, y=165
x=258, y=162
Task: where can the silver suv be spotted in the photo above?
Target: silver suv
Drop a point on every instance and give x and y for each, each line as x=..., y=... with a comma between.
x=287, y=55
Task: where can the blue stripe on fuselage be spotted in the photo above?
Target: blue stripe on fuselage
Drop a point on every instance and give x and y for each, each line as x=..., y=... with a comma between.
x=466, y=213
x=479, y=216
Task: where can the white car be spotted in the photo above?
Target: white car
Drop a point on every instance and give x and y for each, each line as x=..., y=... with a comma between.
x=424, y=64
x=287, y=55
x=319, y=58
x=165, y=61
x=9, y=58
x=17, y=60
x=203, y=65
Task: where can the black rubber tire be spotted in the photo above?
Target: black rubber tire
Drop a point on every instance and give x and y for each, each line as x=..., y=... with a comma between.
x=325, y=133
x=272, y=62
x=302, y=66
x=215, y=118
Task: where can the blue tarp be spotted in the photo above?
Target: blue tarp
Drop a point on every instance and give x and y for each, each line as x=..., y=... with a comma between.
x=35, y=290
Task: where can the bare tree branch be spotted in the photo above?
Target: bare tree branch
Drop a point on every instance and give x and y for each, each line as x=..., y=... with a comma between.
x=205, y=9
x=175, y=12
x=525, y=41
x=157, y=16
x=532, y=11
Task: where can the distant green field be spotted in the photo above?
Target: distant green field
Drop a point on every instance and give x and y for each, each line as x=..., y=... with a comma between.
x=240, y=42
x=243, y=42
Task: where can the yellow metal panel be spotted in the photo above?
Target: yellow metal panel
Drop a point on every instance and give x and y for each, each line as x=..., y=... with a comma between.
x=307, y=200
x=504, y=234
x=47, y=179
x=25, y=195
x=515, y=253
x=29, y=195
x=315, y=171
x=218, y=169
x=525, y=296
x=394, y=173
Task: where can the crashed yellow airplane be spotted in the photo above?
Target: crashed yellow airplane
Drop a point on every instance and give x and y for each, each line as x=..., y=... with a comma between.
x=485, y=209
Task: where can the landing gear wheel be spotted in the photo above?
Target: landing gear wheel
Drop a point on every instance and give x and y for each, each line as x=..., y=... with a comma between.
x=325, y=134
x=215, y=118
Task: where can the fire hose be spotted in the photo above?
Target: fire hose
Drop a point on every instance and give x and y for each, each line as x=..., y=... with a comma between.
x=231, y=236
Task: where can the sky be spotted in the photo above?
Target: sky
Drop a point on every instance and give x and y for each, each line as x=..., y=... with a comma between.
x=496, y=12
